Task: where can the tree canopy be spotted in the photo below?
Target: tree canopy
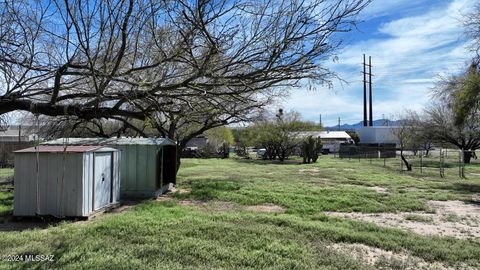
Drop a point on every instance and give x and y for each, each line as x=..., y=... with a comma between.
x=178, y=68
x=454, y=116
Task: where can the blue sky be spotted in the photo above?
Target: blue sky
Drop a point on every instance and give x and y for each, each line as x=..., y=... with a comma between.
x=412, y=43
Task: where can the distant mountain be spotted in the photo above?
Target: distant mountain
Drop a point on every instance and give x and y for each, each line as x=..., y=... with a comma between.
x=379, y=122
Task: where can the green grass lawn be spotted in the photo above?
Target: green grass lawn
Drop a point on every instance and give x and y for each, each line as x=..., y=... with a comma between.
x=6, y=173
x=175, y=235
x=6, y=194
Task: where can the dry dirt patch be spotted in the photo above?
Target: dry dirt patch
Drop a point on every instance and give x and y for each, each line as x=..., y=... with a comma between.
x=226, y=206
x=173, y=189
x=378, y=189
x=266, y=208
x=312, y=171
x=451, y=218
x=383, y=259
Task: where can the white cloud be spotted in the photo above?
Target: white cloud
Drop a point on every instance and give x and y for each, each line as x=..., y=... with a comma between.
x=406, y=62
x=380, y=8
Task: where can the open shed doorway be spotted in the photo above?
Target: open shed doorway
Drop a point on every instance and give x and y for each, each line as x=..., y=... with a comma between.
x=169, y=165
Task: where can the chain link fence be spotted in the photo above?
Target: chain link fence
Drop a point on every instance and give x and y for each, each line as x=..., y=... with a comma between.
x=437, y=162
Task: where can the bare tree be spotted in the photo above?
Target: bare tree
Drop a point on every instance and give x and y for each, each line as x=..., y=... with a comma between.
x=177, y=67
x=405, y=136
x=128, y=59
x=454, y=118
x=422, y=137
x=472, y=29
x=442, y=126
x=49, y=127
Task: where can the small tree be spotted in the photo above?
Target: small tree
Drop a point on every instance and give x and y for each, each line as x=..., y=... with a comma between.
x=454, y=118
x=354, y=137
x=277, y=134
x=311, y=149
x=421, y=134
x=405, y=136
x=220, y=136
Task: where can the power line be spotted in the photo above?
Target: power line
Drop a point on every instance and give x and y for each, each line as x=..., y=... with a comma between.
x=370, y=123
x=370, y=89
x=364, y=93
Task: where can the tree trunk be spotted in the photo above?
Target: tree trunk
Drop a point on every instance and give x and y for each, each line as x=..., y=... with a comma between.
x=179, y=154
x=180, y=146
x=467, y=156
x=405, y=161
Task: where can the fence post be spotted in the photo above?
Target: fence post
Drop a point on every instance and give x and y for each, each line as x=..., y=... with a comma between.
x=442, y=160
x=461, y=164
x=421, y=161
x=401, y=164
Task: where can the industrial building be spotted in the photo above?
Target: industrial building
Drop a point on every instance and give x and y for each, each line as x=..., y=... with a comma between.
x=70, y=181
x=377, y=135
x=370, y=134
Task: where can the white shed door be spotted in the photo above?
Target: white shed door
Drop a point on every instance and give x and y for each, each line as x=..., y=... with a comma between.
x=103, y=180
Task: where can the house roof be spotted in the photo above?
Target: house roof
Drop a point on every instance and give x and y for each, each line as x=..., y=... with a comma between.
x=325, y=134
x=62, y=149
x=111, y=141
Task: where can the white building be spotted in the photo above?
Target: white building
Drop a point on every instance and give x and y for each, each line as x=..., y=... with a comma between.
x=331, y=140
x=17, y=133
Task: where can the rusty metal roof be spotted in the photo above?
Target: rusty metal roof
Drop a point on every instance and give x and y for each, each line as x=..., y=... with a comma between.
x=61, y=149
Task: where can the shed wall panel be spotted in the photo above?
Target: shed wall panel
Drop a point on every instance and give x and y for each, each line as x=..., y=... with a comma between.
x=138, y=165
x=131, y=166
x=25, y=185
x=116, y=176
x=88, y=183
x=151, y=180
x=48, y=187
x=71, y=175
x=65, y=184
x=141, y=164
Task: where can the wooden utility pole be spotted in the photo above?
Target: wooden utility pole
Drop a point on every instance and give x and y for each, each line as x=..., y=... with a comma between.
x=339, y=123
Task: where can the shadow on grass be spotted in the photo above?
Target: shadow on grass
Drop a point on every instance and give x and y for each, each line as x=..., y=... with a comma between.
x=466, y=187
x=207, y=189
x=9, y=223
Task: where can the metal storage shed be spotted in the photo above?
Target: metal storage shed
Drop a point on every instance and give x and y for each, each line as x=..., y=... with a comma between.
x=73, y=181
x=147, y=167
